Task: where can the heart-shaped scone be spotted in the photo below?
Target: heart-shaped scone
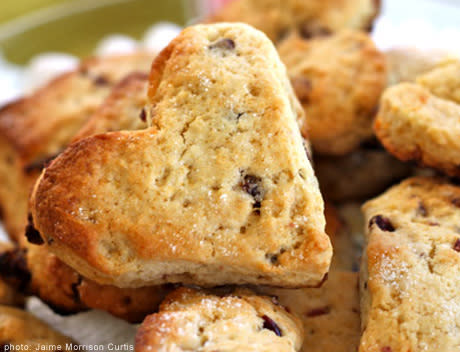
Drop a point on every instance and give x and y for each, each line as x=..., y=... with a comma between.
x=219, y=190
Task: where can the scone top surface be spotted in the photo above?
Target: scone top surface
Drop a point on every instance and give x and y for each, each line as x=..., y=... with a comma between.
x=410, y=269
x=191, y=320
x=218, y=190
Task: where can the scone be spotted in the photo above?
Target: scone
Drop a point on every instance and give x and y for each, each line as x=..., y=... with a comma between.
x=415, y=125
x=444, y=81
x=410, y=269
x=9, y=296
x=338, y=80
x=33, y=130
x=219, y=190
x=362, y=174
x=307, y=17
x=190, y=320
x=55, y=282
x=330, y=314
x=36, y=271
x=19, y=328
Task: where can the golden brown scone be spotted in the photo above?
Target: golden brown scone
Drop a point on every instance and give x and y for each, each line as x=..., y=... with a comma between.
x=330, y=314
x=21, y=330
x=338, y=80
x=415, y=125
x=122, y=110
x=55, y=282
x=307, y=17
x=443, y=81
x=362, y=174
x=35, y=270
x=68, y=292
x=191, y=320
x=9, y=296
x=59, y=285
x=410, y=269
x=189, y=199
x=406, y=64
x=36, y=128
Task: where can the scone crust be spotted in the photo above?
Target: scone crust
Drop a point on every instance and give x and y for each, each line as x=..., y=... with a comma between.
x=415, y=125
x=67, y=292
x=409, y=274
x=96, y=220
x=190, y=320
x=339, y=80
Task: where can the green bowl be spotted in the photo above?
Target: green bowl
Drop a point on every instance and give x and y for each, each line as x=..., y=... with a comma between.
x=76, y=26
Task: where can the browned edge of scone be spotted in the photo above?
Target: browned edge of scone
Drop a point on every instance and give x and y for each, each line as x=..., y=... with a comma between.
x=66, y=292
